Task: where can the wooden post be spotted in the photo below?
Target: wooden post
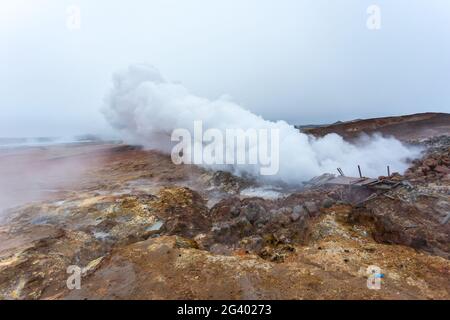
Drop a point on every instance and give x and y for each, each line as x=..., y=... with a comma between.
x=359, y=169
x=389, y=171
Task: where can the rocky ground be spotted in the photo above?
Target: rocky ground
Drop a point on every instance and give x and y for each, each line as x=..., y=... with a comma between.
x=140, y=227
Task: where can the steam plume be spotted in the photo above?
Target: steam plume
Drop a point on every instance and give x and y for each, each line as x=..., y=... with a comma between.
x=146, y=108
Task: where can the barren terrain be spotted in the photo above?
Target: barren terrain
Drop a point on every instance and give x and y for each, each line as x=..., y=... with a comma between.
x=405, y=128
x=141, y=227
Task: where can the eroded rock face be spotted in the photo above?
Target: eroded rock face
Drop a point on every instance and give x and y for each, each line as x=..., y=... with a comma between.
x=183, y=210
x=257, y=225
x=418, y=224
x=226, y=181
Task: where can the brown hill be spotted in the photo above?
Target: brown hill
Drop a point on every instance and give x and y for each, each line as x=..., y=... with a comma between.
x=408, y=127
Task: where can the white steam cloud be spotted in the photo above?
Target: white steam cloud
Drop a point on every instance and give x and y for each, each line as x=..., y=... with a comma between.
x=146, y=108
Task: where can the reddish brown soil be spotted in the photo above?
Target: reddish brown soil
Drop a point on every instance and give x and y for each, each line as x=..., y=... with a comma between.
x=405, y=128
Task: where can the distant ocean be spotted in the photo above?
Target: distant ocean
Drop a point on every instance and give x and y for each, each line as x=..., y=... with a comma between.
x=10, y=143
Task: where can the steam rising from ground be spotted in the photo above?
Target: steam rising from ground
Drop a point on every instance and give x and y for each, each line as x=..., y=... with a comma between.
x=146, y=109
x=41, y=173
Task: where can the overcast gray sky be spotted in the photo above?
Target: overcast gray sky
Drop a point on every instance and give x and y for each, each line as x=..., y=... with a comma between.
x=304, y=61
